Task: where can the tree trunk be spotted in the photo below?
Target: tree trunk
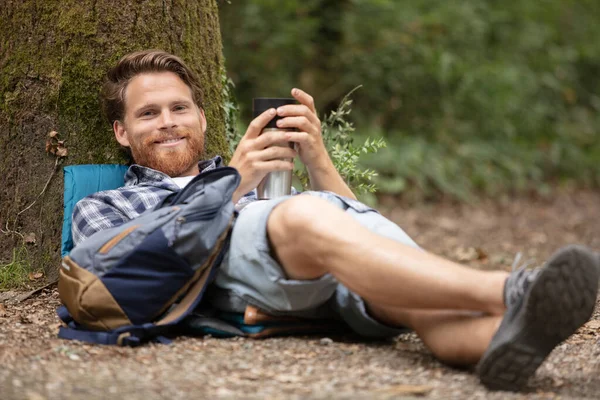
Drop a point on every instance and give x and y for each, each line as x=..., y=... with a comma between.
x=53, y=57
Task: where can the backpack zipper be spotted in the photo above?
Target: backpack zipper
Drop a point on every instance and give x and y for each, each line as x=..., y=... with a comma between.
x=200, y=216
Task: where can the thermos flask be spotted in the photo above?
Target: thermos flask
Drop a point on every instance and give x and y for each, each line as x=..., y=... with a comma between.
x=276, y=183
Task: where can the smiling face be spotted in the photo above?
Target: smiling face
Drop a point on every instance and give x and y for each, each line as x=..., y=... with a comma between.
x=162, y=125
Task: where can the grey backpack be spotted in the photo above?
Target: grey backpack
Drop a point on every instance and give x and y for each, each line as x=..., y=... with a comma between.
x=136, y=282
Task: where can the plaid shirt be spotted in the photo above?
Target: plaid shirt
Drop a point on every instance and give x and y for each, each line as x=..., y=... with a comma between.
x=144, y=189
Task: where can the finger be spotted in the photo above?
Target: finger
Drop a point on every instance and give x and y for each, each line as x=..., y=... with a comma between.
x=299, y=137
x=300, y=123
x=304, y=98
x=258, y=123
x=270, y=138
x=274, y=153
x=296, y=110
x=275, y=165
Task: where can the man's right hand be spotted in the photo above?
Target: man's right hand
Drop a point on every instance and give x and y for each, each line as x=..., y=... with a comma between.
x=256, y=155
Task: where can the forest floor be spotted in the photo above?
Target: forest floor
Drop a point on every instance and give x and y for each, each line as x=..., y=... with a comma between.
x=37, y=365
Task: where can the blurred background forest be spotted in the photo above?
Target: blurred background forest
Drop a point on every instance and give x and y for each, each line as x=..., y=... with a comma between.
x=472, y=97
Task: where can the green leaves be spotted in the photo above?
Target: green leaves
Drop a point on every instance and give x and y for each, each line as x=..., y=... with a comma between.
x=337, y=132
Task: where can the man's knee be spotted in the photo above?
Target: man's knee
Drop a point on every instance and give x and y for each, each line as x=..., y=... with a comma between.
x=298, y=232
x=296, y=219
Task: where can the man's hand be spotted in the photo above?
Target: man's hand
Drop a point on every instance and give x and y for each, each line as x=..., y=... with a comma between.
x=311, y=149
x=257, y=155
x=303, y=117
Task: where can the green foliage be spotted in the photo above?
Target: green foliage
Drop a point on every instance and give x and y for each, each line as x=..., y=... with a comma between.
x=14, y=274
x=231, y=109
x=337, y=132
x=490, y=96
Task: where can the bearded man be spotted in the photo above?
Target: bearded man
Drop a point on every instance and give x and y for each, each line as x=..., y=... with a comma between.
x=322, y=253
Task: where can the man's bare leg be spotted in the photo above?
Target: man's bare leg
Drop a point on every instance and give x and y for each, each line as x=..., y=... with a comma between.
x=455, y=337
x=311, y=237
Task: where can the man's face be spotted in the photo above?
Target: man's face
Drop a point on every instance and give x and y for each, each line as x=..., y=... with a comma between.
x=162, y=125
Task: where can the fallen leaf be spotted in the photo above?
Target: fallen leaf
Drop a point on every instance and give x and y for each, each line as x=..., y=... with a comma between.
x=61, y=151
x=48, y=145
x=2, y=310
x=465, y=254
x=417, y=390
x=595, y=324
x=53, y=134
x=33, y=276
x=30, y=238
x=481, y=254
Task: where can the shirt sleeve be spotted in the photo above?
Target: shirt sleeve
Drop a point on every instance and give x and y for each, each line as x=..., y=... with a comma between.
x=91, y=215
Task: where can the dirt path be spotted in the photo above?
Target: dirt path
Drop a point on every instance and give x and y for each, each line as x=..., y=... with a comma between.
x=36, y=365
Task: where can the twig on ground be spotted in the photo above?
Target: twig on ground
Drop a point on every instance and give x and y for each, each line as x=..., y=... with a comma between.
x=27, y=295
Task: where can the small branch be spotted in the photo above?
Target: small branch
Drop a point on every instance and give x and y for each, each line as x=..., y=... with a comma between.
x=44, y=189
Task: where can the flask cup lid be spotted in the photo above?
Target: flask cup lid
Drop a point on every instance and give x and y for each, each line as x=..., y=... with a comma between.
x=262, y=104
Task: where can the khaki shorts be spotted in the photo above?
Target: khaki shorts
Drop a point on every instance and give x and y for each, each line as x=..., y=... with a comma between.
x=250, y=275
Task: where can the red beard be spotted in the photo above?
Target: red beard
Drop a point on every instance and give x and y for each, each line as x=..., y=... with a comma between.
x=173, y=162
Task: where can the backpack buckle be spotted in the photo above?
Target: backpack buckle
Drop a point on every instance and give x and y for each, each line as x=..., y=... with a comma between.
x=122, y=340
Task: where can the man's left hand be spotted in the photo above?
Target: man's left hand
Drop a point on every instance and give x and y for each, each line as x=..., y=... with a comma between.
x=303, y=117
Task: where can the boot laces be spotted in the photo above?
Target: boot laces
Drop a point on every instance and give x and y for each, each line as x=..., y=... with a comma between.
x=519, y=280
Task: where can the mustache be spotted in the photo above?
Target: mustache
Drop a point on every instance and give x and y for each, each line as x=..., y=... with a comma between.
x=172, y=134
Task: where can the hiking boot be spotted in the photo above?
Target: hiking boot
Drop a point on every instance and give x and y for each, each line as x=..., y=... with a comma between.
x=544, y=307
x=518, y=281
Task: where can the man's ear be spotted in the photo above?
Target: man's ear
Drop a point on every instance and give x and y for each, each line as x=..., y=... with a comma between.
x=120, y=133
x=202, y=120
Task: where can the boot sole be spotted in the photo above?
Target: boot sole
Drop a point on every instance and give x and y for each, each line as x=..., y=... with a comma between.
x=561, y=299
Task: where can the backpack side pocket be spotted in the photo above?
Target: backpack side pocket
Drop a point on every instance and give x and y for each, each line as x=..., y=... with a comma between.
x=89, y=302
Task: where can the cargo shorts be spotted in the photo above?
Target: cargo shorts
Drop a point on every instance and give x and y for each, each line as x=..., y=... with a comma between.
x=250, y=275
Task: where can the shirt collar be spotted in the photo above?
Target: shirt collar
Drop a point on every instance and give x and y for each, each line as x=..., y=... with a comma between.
x=139, y=175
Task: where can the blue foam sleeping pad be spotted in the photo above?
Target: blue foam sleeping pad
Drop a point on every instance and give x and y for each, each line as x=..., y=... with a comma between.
x=81, y=181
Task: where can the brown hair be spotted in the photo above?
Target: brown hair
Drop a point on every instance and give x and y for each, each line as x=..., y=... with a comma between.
x=133, y=64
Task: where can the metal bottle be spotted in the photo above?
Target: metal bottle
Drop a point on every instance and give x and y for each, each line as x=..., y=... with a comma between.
x=276, y=183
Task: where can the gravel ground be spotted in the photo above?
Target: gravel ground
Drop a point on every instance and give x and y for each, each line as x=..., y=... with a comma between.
x=37, y=365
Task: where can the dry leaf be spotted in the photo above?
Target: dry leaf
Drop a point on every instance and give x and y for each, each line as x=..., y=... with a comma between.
x=465, y=254
x=33, y=276
x=416, y=390
x=2, y=310
x=61, y=151
x=30, y=238
x=595, y=324
x=48, y=145
x=53, y=134
x=481, y=254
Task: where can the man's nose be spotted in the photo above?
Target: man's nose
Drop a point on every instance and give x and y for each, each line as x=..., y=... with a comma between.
x=166, y=120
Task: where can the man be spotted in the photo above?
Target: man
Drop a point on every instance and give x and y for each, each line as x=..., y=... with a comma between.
x=322, y=252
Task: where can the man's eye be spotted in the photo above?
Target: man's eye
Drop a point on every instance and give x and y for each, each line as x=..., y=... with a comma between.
x=180, y=108
x=147, y=113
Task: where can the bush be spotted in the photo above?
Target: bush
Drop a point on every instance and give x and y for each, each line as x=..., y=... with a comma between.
x=505, y=94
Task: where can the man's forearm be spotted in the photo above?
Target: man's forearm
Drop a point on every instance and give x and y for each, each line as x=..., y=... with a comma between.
x=325, y=177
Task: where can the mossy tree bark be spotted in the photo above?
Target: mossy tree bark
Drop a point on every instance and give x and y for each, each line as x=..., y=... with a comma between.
x=53, y=57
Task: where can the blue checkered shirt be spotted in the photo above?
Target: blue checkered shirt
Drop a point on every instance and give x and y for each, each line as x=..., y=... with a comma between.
x=144, y=189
